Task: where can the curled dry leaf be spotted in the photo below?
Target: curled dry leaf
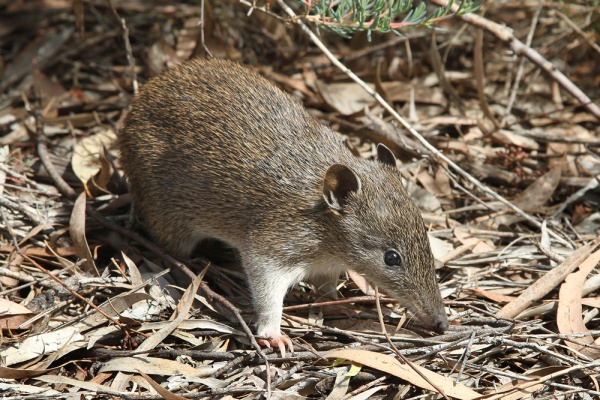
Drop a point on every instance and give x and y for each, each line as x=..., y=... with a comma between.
x=361, y=282
x=98, y=183
x=86, y=155
x=77, y=231
x=13, y=315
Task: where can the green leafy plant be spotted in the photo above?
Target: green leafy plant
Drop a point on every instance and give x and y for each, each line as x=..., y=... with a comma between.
x=347, y=16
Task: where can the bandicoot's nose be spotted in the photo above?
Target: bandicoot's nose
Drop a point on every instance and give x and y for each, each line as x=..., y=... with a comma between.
x=440, y=325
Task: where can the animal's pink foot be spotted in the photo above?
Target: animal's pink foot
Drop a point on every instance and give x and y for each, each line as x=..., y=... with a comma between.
x=276, y=339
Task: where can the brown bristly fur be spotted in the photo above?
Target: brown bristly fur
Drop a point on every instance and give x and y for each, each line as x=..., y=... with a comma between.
x=213, y=150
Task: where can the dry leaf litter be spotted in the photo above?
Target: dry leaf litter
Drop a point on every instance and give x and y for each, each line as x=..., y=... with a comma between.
x=90, y=308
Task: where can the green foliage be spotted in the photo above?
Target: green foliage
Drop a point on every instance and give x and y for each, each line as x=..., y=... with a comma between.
x=347, y=16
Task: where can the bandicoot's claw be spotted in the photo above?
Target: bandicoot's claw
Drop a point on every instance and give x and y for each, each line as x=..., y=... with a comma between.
x=280, y=341
x=281, y=348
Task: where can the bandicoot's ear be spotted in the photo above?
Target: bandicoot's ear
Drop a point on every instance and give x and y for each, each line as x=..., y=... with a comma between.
x=385, y=155
x=339, y=182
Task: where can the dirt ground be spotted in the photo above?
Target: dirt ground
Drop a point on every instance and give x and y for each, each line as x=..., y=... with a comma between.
x=494, y=117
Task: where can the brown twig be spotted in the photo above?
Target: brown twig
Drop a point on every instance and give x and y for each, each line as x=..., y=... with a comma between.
x=359, y=299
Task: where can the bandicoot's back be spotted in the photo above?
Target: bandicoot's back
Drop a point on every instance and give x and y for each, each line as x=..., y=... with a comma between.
x=213, y=150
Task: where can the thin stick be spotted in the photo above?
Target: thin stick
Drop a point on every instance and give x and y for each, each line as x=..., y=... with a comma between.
x=521, y=68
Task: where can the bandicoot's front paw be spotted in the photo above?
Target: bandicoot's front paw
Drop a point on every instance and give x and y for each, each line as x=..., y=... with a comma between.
x=276, y=339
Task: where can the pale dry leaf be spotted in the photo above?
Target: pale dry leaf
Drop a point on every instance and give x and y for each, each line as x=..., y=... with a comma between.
x=113, y=308
x=390, y=365
x=166, y=394
x=178, y=316
x=76, y=383
x=367, y=394
x=423, y=199
x=35, y=345
x=4, y=161
x=86, y=154
x=591, y=302
x=193, y=324
x=340, y=386
x=77, y=231
x=514, y=139
x=15, y=388
x=549, y=281
x=569, y=318
x=275, y=395
x=492, y=295
x=152, y=366
x=429, y=183
x=545, y=241
x=134, y=272
x=8, y=307
x=369, y=327
x=479, y=245
x=145, y=310
x=397, y=91
x=533, y=198
x=345, y=98
x=65, y=349
x=446, y=197
x=362, y=283
x=98, y=183
x=439, y=247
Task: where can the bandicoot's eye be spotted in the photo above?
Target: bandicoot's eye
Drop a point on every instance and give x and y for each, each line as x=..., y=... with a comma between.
x=392, y=257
